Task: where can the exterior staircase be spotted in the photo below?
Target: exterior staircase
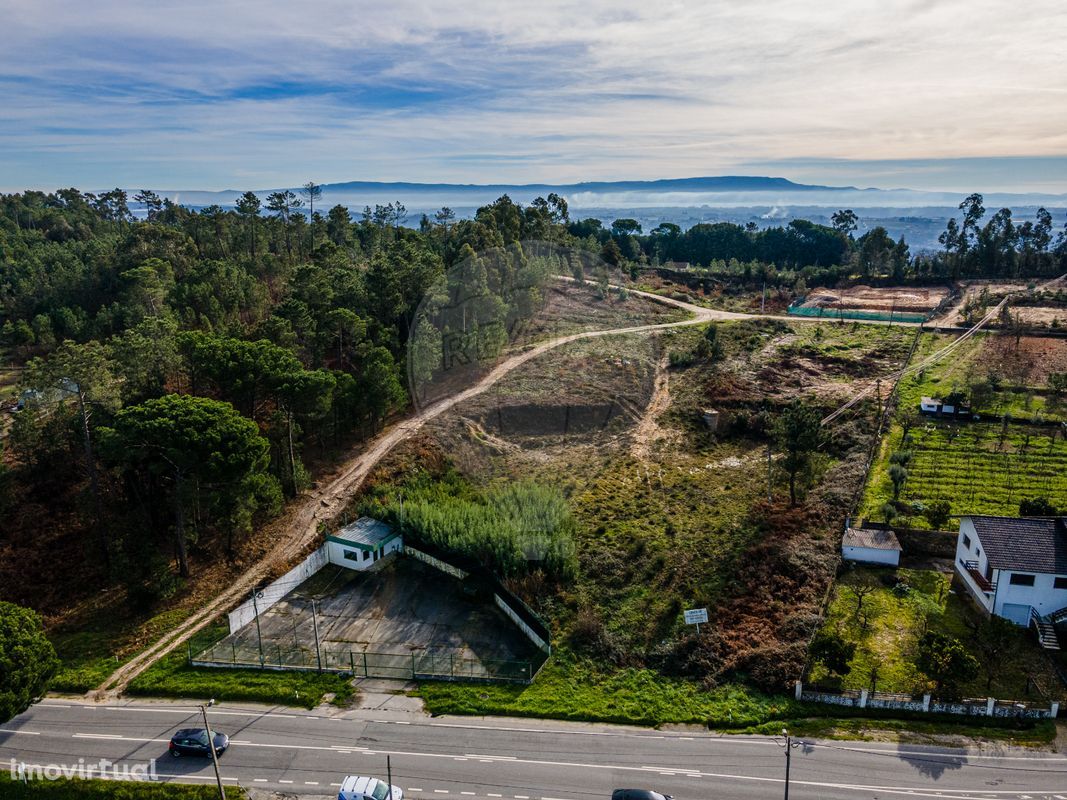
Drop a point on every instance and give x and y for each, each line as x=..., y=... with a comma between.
x=1046, y=628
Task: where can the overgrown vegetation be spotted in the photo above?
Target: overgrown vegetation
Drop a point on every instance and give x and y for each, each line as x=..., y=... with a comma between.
x=512, y=529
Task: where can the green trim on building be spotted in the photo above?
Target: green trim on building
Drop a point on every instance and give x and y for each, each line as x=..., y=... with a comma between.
x=368, y=547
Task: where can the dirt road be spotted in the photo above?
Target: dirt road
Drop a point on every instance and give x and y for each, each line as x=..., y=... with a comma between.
x=299, y=526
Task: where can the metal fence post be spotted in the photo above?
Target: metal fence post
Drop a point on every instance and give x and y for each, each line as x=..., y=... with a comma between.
x=366, y=674
x=233, y=646
x=413, y=665
x=352, y=663
x=451, y=664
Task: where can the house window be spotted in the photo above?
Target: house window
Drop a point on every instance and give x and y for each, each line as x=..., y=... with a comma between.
x=1018, y=579
x=1059, y=583
x=352, y=555
x=967, y=541
x=366, y=555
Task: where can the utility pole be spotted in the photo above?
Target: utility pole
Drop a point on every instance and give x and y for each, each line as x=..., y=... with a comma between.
x=763, y=299
x=211, y=746
x=259, y=632
x=315, y=625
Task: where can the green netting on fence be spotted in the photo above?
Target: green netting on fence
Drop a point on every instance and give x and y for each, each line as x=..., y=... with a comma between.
x=855, y=313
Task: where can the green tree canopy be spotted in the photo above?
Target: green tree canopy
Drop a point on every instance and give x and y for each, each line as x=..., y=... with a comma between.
x=945, y=661
x=199, y=451
x=27, y=659
x=796, y=432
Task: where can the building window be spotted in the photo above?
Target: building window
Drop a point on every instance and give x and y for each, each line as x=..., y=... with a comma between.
x=967, y=541
x=1018, y=579
x=366, y=555
x=352, y=555
x=1059, y=583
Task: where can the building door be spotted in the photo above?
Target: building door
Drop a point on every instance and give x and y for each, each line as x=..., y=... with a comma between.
x=1016, y=612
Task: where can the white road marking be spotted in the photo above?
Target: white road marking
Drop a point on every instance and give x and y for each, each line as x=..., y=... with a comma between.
x=280, y=780
x=468, y=793
x=23, y=733
x=311, y=783
x=440, y=791
x=958, y=794
x=259, y=780
x=554, y=731
x=414, y=789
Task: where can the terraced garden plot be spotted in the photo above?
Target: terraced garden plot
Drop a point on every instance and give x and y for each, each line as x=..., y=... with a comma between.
x=979, y=468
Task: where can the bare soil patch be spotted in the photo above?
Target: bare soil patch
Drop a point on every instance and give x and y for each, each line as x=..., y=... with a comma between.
x=918, y=299
x=1030, y=361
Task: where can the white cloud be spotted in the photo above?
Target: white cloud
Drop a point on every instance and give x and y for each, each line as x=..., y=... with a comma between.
x=226, y=94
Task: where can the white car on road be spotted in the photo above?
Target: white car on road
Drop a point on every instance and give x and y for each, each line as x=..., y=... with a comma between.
x=356, y=787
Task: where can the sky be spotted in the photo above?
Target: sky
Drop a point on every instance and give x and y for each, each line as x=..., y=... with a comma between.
x=957, y=95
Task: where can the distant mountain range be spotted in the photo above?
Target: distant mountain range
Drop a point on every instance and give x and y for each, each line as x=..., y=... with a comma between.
x=716, y=192
x=917, y=215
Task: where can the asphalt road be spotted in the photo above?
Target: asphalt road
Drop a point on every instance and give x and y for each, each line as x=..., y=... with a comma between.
x=451, y=758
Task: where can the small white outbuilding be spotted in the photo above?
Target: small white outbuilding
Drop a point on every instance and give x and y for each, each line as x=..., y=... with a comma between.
x=871, y=546
x=359, y=545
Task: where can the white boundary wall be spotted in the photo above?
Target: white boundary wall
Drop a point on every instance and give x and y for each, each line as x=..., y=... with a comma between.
x=246, y=612
x=437, y=563
x=533, y=637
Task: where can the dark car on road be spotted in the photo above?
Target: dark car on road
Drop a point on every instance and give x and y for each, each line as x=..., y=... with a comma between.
x=638, y=794
x=193, y=742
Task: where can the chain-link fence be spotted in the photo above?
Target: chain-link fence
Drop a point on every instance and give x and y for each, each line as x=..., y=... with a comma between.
x=414, y=665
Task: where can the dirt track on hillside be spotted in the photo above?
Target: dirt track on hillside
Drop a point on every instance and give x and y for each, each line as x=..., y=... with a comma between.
x=298, y=527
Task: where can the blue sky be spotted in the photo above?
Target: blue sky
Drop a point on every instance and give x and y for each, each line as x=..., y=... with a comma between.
x=931, y=94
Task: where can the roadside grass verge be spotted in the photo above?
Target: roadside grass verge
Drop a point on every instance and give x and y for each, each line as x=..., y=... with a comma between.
x=1032, y=733
x=572, y=688
x=109, y=790
x=172, y=676
x=578, y=689
x=89, y=654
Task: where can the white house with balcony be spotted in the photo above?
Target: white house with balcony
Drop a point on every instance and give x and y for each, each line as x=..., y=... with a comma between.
x=1016, y=568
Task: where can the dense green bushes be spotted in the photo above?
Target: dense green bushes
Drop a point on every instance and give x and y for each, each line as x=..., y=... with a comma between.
x=511, y=529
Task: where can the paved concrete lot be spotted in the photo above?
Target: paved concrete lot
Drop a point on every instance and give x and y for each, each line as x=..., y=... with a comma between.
x=403, y=608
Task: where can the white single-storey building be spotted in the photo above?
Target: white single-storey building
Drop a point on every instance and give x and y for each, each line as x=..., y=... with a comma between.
x=1016, y=567
x=362, y=543
x=937, y=407
x=870, y=546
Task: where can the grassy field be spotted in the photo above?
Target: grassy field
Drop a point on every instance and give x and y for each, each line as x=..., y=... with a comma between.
x=571, y=687
x=109, y=790
x=978, y=467
x=1017, y=377
x=90, y=653
x=173, y=677
x=895, y=619
x=574, y=688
